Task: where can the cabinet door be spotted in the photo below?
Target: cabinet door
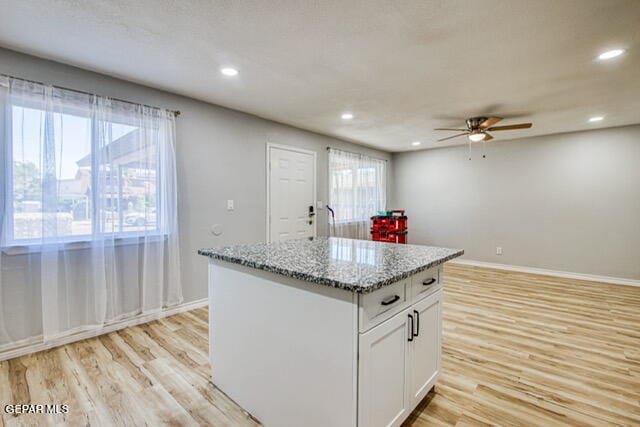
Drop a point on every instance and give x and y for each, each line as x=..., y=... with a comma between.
x=382, y=373
x=425, y=348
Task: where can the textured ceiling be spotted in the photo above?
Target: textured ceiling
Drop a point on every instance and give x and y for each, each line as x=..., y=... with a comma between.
x=402, y=67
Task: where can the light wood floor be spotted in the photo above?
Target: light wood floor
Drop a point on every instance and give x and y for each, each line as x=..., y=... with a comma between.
x=519, y=349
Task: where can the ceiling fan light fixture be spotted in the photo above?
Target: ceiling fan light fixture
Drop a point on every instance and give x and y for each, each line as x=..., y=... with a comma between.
x=610, y=54
x=478, y=129
x=229, y=71
x=476, y=136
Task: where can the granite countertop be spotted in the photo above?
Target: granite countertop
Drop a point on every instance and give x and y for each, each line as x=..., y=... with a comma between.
x=360, y=266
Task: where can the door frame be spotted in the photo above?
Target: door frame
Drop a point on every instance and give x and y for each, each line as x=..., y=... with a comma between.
x=271, y=145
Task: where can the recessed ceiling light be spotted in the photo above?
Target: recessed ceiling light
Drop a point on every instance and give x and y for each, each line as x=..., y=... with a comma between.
x=416, y=143
x=228, y=71
x=347, y=116
x=610, y=54
x=596, y=119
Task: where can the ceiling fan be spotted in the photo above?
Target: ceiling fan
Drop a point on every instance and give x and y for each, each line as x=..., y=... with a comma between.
x=478, y=128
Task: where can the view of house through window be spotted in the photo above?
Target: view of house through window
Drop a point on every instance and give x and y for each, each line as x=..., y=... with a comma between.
x=57, y=163
x=357, y=191
x=357, y=186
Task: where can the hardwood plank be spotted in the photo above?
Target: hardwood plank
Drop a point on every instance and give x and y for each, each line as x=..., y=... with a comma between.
x=202, y=314
x=518, y=349
x=542, y=351
x=18, y=380
x=137, y=345
x=187, y=396
x=120, y=357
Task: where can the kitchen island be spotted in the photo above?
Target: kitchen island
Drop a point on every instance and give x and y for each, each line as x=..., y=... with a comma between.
x=326, y=331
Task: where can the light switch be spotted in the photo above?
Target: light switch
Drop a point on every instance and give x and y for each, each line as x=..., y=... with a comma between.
x=230, y=205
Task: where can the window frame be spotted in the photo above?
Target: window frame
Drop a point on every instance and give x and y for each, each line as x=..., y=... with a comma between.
x=12, y=245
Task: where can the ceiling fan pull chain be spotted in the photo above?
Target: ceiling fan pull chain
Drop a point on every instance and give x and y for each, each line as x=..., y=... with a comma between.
x=484, y=147
x=469, y=145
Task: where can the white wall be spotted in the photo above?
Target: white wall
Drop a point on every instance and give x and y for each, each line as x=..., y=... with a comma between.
x=568, y=202
x=221, y=155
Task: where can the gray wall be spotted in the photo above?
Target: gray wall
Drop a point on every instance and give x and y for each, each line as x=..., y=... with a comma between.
x=221, y=155
x=567, y=202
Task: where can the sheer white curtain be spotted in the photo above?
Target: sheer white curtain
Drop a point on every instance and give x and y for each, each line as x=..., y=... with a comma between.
x=88, y=215
x=357, y=190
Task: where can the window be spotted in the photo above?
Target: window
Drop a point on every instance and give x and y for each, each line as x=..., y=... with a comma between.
x=357, y=187
x=77, y=171
x=88, y=186
x=32, y=185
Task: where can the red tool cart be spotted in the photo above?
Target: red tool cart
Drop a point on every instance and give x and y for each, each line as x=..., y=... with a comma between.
x=389, y=227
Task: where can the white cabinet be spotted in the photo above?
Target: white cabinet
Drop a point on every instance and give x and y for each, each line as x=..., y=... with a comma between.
x=424, y=350
x=349, y=360
x=383, y=304
x=425, y=282
x=399, y=362
x=383, y=373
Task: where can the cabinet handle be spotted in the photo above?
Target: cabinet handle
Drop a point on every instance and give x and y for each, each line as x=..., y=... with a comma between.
x=429, y=282
x=390, y=300
x=410, y=328
x=417, y=323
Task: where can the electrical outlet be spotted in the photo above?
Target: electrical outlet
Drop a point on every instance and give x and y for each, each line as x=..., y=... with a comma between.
x=216, y=229
x=230, y=205
x=498, y=250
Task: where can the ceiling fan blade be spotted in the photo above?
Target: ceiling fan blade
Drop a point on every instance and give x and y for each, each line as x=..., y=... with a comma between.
x=461, y=130
x=511, y=127
x=490, y=122
x=454, y=136
x=487, y=137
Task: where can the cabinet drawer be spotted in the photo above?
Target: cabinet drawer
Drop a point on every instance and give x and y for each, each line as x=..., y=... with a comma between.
x=425, y=283
x=380, y=305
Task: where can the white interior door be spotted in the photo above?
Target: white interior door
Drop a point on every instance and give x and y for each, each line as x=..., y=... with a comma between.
x=291, y=193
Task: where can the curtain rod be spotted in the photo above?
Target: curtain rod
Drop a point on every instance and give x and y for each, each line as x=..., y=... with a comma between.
x=357, y=154
x=175, y=112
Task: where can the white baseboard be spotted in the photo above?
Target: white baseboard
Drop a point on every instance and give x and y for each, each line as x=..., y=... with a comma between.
x=35, y=344
x=546, y=272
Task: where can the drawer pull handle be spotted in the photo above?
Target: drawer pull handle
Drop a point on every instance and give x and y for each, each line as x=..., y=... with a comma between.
x=429, y=282
x=390, y=300
x=417, y=323
x=410, y=323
